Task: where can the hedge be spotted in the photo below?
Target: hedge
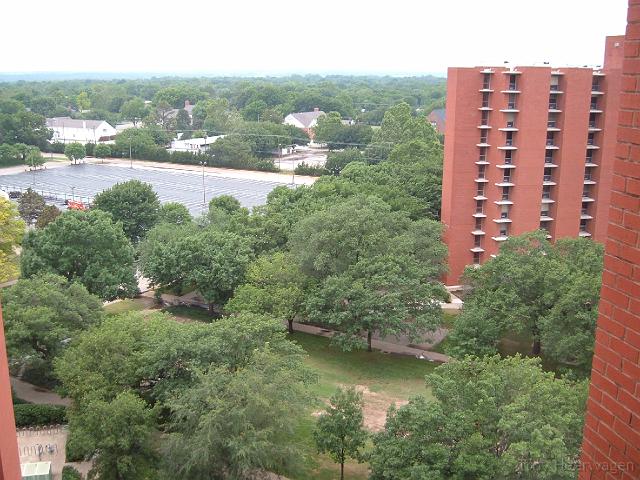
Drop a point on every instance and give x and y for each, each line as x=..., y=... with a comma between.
x=29, y=415
x=311, y=170
x=70, y=473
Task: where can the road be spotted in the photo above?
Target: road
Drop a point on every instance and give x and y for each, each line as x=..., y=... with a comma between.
x=171, y=184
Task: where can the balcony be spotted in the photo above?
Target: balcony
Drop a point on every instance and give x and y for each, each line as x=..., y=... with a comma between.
x=555, y=91
x=506, y=165
x=547, y=200
x=553, y=108
x=594, y=109
x=551, y=146
x=477, y=232
x=479, y=215
x=500, y=238
x=486, y=71
x=481, y=180
x=549, y=164
x=504, y=201
x=595, y=90
x=510, y=127
x=483, y=144
x=480, y=198
x=502, y=220
x=505, y=183
x=548, y=182
x=477, y=249
x=511, y=90
x=511, y=108
x=545, y=218
x=484, y=127
x=584, y=233
x=588, y=180
x=482, y=162
x=586, y=198
x=593, y=127
x=485, y=108
x=485, y=89
x=585, y=216
x=590, y=163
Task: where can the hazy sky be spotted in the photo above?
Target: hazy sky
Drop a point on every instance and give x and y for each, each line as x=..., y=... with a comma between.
x=315, y=36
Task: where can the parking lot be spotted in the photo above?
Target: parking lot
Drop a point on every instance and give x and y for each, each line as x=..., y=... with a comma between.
x=83, y=182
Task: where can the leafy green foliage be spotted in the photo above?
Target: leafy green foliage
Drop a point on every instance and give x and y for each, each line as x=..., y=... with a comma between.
x=86, y=247
x=133, y=204
x=30, y=415
x=174, y=213
x=70, y=473
x=377, y=270
x=340, y=429
x=232, y=423
x=118, y=433
x=75, y=152
x=491, y=418
x=549, y=291
x=275, y=285
x=30, y=205
x=102, y=151
x=17, y=125
x=44, y=313
x=11, y=232
x=48, y=215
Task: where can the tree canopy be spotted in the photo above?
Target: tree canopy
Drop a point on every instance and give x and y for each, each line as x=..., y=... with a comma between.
x=490, y=418
x=83, y=246
x=11, y=232
x=550, y=292
x=133, y=204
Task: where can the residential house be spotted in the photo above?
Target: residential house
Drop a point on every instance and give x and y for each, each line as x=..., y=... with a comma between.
x=436, y=118
x=71, y=130
x=304, y=120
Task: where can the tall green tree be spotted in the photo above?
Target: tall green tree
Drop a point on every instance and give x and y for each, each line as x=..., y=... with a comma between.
x=11, y=232
x=134, y=110
x=490, y=418
x=34, y=158
x=134, y=204
x=377, y=271
x=42, y=314
x=86, y=247
x=232, y=424
x=30, y=205
x=48, y=215
x=102, y=150
x=340, y=429
x=117, y=435
x=174, y=213
x=275, y=285
x=75, y=152
x=549, y=292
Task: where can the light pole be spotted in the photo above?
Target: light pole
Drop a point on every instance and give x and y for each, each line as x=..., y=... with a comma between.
x=73, y=197
x=204, y=191
x=130, y=157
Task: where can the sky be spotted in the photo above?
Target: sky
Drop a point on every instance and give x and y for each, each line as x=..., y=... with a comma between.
x=259, y=37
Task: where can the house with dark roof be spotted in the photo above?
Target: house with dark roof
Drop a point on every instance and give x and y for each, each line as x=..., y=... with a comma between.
x=72, y=130
x=304, y=120
x=436, y=118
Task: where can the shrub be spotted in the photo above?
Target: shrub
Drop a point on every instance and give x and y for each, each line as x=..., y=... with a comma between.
x=75, y=450
x=70, y=473
x=28, y=415
x=312, y=170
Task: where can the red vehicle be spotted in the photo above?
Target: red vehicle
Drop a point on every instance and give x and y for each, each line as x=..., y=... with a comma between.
x=75, y=205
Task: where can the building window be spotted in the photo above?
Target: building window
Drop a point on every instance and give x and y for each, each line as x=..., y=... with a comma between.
x=486, y=81
x=512, y=82
x=505, y=193
x=550, y=138
x=479, y=206
x=485, y=118
x=548, y=158
x=594, y=103
x=511, y=105
x=508, y=157
x=591, y=139
x=485, y=99
x=477, y=241
x=553, y=101
x=476, y=258
x=478, y=224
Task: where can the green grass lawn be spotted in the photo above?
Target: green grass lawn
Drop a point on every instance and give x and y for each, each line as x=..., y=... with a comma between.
x=395, y=375
x=194, y=313
x=127, y=305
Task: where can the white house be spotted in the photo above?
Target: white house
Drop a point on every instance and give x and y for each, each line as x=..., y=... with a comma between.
x=193, y=145
x=304, y=120
x=70, y=130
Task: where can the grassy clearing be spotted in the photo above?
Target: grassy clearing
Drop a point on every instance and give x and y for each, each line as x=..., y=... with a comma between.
x=127, y=305
x=395, y=375
x=194, y=313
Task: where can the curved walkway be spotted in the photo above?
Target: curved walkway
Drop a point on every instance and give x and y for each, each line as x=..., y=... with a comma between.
x=38, y=395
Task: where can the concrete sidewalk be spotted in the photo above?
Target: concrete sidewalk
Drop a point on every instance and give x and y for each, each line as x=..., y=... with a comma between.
x=383, y=346
x=38, y=395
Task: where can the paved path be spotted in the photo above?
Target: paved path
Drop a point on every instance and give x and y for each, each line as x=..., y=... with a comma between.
x=34, y=394
x=383, y=346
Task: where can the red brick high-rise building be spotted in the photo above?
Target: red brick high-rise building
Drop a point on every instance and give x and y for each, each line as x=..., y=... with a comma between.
x=9, y=459
x=611, y=445
x=527, y=148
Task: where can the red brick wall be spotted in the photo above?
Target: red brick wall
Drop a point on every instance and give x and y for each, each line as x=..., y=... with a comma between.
x=611, y=448
x=9, y=460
